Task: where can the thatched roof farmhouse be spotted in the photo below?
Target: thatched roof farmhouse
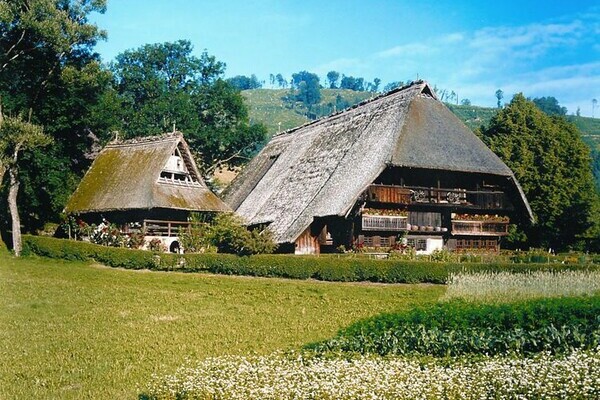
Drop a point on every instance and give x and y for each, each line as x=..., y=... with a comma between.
x=397, y=164
x=152, y=181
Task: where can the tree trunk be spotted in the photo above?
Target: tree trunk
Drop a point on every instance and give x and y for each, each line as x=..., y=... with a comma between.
x=13, y=190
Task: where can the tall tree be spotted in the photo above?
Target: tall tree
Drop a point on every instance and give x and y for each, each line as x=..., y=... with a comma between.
x=352, y=83
x=594, y=104
x=499, y=97
x=16, y=136
x=281, y=82
x=376, y=84
x=332, y=78
x=47, y=65
x=552, y=164
x=161, y=86
x=307, y=86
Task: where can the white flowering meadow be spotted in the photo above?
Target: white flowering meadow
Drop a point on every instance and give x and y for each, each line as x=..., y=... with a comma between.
x=491, y=286
x=298, y=376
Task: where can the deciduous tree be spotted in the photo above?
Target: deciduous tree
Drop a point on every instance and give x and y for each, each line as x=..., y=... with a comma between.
x=552, y=164
x=16, y=136
x=499, y=97
x=47, y=65
x=332, y=78
x=550, y=105
x=307, y=86
x=162, y=86
x=242, y=82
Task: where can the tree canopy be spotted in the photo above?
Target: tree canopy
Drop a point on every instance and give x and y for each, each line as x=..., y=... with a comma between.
x=552, y=164
x=550, y=105
x=307, y=86
x=48, y=70
x=163, y=86
x=352, y=83
x=242, y=82
x=333, y=78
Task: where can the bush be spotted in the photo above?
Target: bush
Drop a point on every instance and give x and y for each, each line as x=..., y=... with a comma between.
x=229, y=235
x=456, y=328
x=328, y=268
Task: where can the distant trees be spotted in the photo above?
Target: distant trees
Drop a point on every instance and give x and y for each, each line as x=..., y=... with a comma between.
x=352, y=83
x=552, y=164
x=465, y=102
x=549, y=105
x=307, y=87
x=332, y=78
x=242, y=82
x=393, y=85
x=499, y=97
x=281, y=82
x=374, y=87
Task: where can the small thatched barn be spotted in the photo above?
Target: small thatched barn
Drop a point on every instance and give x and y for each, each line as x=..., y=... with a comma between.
x=151, y=182
x=398, y=167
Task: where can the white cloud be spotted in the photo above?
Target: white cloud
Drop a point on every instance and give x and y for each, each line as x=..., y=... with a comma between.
x=539, y=59
x=452, y=38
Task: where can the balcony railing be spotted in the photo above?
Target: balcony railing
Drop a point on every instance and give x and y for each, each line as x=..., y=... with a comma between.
x=164, y=228
x=385, y=223
x=480, y=199
x=480, y=228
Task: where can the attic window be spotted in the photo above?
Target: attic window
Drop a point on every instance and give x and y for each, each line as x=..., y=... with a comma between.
x=178, y=171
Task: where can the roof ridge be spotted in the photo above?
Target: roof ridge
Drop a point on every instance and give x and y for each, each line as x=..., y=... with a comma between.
x=146, y=139
x=362, y=103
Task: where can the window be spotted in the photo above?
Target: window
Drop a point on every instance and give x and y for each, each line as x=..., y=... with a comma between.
x=420, y=244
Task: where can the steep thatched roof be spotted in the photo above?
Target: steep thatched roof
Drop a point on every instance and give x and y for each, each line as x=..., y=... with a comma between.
x=125, y=176
x=321, y=168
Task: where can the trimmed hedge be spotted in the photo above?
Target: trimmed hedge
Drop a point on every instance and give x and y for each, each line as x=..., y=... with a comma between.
x=326, y=268
x=456, y=328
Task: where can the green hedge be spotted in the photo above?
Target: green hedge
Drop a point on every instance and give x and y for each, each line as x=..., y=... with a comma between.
x=327, y=268
x=455, y=328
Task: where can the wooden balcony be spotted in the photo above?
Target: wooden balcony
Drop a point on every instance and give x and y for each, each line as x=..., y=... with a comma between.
x=384, y=223
x=164, y=228
x=476, y=199
x=479, y=228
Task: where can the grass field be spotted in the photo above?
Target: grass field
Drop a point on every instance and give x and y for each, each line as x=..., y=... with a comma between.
x=77, y=330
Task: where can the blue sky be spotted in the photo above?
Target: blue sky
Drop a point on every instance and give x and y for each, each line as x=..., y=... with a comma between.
x=540, y=48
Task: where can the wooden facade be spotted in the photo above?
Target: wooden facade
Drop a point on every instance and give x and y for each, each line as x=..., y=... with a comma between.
x=472, y=215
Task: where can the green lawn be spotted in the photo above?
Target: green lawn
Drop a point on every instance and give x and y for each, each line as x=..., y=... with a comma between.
x=75, y=330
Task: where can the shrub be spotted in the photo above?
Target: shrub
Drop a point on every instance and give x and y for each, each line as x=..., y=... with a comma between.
x=156, y=245
x=229, y=235
x=455, y=328
x=196, y=239
x=330, y=268
x=108, y=235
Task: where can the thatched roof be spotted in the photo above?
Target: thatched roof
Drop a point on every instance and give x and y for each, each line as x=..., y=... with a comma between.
x=321, y=168
x=125, y=176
